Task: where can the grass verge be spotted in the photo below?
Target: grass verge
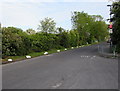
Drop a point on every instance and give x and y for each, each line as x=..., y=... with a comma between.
x=34, y=54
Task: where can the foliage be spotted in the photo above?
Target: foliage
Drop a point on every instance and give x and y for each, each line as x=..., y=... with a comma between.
x=74, y=38
x=64, y=39
x=91, y=28
x=43, y=42
x=116, y=25
x=60, y=30
x=47, y=25
x=30, y=31
x=86, y=29
x=14, y=42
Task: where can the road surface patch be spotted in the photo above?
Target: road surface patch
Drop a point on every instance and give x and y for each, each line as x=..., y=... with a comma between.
x=57, y=85
x=87, y=56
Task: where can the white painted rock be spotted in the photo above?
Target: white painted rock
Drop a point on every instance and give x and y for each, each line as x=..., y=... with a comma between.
x=27, y=56
x=45, y=53
x=58, y=50
x=65, y=49
x=10, y=60
x=72, y=47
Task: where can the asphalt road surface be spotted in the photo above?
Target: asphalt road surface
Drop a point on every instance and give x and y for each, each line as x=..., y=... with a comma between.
x=80, y=68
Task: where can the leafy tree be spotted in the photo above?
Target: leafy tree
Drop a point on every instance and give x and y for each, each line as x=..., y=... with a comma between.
x=116, y=25
x=0, y=40
x=30, y=31
x=11, y=41
x=60, y=29
x=14, y=42
x=47, y=25
x=74, y=38
x=64, y=39
x=91, y=28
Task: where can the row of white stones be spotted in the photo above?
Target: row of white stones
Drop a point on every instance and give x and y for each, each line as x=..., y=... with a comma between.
x=46, y=53
x=28, y=56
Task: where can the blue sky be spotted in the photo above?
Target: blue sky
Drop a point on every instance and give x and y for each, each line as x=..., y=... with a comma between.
x=26, y=14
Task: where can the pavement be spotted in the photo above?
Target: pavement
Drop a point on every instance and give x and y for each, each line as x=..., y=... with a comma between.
x=81, y=68
x=105, y=50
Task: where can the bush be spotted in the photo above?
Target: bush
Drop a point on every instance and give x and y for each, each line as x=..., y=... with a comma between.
x=14, y=43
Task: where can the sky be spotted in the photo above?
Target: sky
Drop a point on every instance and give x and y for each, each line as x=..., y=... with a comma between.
x=27, y=14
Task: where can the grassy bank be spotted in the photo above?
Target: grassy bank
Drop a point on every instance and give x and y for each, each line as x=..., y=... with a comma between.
x=34, y=54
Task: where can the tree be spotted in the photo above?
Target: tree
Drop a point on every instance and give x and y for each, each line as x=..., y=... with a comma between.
x=47, y=25
x=60, y=29
x=0, y=40
x=30, y=31
x=116, y=24
x=15, y=42
x=91, y=28
x=64, y=39
x=74, y=38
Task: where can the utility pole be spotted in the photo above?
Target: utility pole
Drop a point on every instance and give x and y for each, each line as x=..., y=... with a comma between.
x=110, y=11
x=110, y=24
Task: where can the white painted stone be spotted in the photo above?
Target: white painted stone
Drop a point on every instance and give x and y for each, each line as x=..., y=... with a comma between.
x=58, y=50
x=65, y=49
x=27, y=56
x=57, y=85
x=45, y=53
x=72, y=47
x=87, y=56
x=10, y=60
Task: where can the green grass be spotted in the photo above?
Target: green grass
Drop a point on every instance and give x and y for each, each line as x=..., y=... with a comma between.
x=34, y=54
x=16, y=58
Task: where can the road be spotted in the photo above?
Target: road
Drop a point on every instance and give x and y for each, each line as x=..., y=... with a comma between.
x=80, y=68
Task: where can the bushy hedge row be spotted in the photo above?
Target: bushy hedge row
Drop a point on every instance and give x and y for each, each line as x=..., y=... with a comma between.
x=17, y=42
x=14, y=42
